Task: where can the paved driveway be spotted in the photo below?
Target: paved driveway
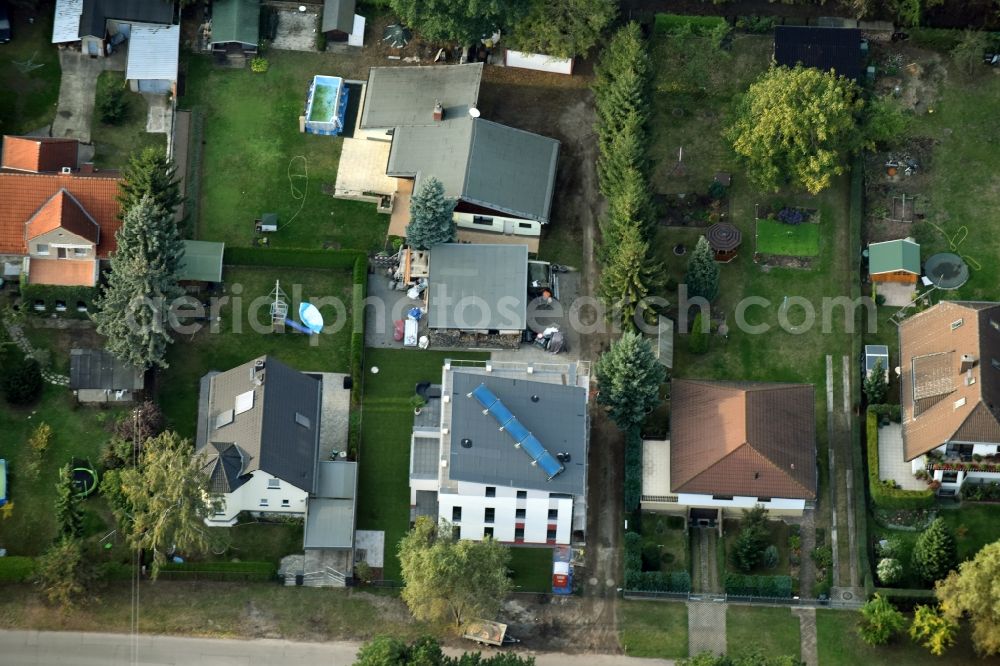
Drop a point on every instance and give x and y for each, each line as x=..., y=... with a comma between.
x=77, y=91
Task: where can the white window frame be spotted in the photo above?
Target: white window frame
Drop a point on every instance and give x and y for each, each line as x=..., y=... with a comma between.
x=274, y=484
x=39, y=251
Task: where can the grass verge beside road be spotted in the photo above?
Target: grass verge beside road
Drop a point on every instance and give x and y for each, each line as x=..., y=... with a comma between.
x=221, y=610
x=839, y=645
x=653, y=629
x=772, y=631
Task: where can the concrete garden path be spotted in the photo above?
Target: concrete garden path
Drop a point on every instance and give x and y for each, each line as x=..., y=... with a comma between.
x=706, y=627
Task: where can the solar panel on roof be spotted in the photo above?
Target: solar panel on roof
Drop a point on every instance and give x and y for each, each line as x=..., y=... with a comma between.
x=521, y=436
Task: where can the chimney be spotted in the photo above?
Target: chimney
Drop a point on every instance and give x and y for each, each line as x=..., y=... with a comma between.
x=438, y=111
x=968, y=363
x=87, y=168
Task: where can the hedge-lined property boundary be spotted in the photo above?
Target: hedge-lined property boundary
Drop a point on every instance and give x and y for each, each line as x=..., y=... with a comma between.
x=637, y=580
x=700, y=25
x=758, y=586
x=219, y=571
x=884, y=496
x=355, y=261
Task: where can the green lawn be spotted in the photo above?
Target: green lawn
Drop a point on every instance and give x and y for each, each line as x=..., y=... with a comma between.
x=778, y=533
x=387, y=421
x=981, y=523
x=772, y=631
x=789, y=240
x=222, y=610
x=962, y=122
x=191, y=356
x=532, y=569
x=255, y=160
x=114, y=143
x=653, y=629
x=28, y=526
x=29, y=74
x=262, y=542
x=839, y=645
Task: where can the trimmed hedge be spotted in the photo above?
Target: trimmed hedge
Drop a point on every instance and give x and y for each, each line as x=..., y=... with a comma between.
x=666, y=24
x=221, y=571
x=758, y=586
x=49, y=294
x=882, y=495
x=633, y=470
x=331, y=259
x=637, y=580
x=15, y=569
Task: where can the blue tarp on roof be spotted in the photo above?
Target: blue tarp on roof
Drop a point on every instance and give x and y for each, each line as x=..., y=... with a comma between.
x=522, y=438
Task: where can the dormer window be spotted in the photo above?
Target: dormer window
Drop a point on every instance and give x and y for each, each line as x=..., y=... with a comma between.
x=957, y=324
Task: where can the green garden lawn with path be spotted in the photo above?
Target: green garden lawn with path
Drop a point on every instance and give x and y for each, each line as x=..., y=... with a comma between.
x=255, y=160
x=114, y=144
x=653, y=629
x=772, y=631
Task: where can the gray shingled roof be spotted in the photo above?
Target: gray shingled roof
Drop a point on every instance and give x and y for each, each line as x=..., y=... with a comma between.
x=338, y=15
x=481, y=162
x=558, y=419
x=95, y=13
x=398, y=96
x=223, y=464
x=267, y=433
x=476, y=286
x=99, y=369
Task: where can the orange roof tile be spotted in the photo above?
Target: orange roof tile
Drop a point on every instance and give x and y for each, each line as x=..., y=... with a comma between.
x=22, y=194
x=65, y=272
x=949, y=380
x=63, y=211
x=29, y=153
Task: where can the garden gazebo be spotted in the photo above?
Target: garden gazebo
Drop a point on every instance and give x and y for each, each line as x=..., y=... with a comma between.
x=725, y=239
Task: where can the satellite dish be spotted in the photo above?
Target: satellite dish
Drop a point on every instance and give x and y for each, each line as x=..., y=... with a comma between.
x=474, y=112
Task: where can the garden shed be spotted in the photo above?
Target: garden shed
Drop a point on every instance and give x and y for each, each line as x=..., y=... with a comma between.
x=202, y=262
x=894, y=261
x=97, y=375
x=235, y=25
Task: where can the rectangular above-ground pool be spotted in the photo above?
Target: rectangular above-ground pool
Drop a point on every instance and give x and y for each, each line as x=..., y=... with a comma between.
x=326, y=106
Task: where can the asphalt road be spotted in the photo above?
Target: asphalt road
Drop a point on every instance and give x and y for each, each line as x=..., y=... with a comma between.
x=43, y=648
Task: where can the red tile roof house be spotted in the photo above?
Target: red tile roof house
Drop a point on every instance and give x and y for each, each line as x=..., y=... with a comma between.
x=949, y=385
x=732, y=446
x=59, y=219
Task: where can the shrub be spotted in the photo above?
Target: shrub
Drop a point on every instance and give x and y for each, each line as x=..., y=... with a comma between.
x=651, y=558
x=977, y=492
x=698, y=340
x=793, y=216
x=363, y=572
x=934, y=554
x=14, y=569
x=770, y=557
x=879, y=621
x=889, y=570
x=755, y=25
x=891, y=547
x=259, y=65
x=667, y=24
x=823, y=556
x=113, y=105
x=22, y=381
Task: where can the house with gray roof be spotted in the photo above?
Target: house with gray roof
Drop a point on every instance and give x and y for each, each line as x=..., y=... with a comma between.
x=478, y=288
x=503, y=178
x=500, y=451
x=260, y=445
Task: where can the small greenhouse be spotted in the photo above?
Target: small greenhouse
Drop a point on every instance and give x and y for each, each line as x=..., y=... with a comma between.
x=326, y=106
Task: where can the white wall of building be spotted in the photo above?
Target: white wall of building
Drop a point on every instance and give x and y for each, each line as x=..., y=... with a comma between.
x=472, y=499
x=684, y=501
x=510, y=226
x=256, y=495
